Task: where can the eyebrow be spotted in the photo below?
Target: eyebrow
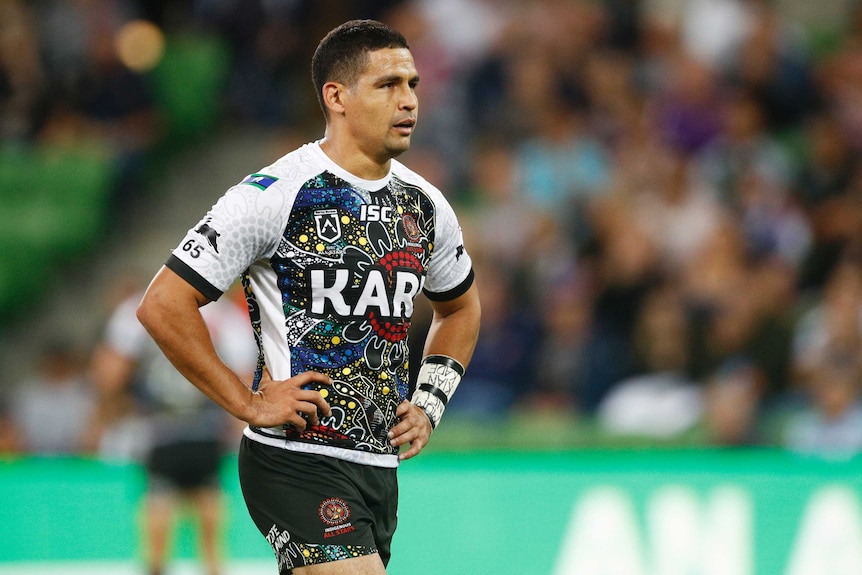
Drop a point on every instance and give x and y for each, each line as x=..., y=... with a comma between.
x=397, y=78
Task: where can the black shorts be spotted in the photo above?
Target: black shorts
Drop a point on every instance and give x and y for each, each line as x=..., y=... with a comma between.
x=184, y=465
x=315, y=509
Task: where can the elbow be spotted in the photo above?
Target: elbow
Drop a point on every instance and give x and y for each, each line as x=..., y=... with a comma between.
x=154, y=310
x=477, y=323
x=146, y=313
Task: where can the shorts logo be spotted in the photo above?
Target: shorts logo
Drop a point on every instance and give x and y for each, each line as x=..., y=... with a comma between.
x=327, y=225
x=335, y=513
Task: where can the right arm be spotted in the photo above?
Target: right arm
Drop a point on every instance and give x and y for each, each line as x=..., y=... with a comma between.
x=170, y=311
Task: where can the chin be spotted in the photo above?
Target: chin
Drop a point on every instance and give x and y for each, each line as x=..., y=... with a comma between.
x=395, y=151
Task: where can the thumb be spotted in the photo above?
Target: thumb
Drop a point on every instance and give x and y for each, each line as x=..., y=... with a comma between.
x=265, y=378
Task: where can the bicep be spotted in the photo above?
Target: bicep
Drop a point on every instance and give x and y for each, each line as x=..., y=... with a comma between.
x=168, y=298
x=455, y=326
x=466, y=302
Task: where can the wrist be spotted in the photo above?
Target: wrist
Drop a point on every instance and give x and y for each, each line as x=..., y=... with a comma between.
x=428, y=415
x=438, y=378
x=249, y=408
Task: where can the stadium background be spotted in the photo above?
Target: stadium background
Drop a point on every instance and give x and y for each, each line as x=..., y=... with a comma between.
x=662, y=199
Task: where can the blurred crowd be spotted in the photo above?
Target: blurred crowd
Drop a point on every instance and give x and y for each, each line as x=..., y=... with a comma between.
x=663, y=199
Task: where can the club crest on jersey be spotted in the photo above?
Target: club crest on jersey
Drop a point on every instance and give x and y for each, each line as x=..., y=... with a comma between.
x=210, y=234
x=327, y=225
x=411, y=228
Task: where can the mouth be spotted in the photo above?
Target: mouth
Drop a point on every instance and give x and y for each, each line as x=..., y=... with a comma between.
x=405, y=126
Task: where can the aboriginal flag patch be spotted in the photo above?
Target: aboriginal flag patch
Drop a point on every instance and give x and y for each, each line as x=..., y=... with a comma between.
x=261, y=181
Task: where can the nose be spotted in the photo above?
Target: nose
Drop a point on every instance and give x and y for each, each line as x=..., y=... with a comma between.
x=409, y=100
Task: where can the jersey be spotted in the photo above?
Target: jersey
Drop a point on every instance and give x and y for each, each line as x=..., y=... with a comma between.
x=174, y=409
x=331, y=265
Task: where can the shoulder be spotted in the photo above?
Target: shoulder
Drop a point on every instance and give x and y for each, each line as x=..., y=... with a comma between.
x=269, y=192
x=285, y=175
x=407, y=176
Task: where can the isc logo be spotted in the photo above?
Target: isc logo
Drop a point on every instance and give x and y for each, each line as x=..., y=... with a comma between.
x=375, y=213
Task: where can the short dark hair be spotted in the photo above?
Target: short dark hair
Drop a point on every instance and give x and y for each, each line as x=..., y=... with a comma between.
x=342, y=54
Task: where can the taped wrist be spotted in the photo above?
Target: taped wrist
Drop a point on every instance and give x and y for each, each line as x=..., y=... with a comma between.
x=438, y=377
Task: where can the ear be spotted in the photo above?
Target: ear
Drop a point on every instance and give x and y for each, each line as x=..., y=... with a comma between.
x=333, y=96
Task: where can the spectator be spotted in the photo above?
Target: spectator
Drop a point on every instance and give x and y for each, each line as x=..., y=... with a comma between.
x=832, y=324
x=660, y=400
x=677, y=212
x=622, y=143
x=181, y=433
x=731, y=405
x=830, y=424
x=773, y=63
x=10, y=438
x=686, y=107
x=839, y=74
x=562, y=167
x=52, y=409
x=502, y=366
x=622, y=266
x=22, y=78
x=494, y=202
x=558, y=377
x=822, y=186
x=743, y=150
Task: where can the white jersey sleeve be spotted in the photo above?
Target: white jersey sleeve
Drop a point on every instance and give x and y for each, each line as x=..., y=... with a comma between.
x=450, y=270
x=245, y=225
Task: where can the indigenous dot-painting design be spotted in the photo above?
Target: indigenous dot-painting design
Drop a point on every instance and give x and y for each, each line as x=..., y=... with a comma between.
x=349, y=265
x=291, y=553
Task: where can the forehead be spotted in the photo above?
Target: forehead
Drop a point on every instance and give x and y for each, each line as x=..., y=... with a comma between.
x=389, y=62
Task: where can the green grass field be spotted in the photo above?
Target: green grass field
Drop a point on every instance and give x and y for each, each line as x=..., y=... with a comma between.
x=628, y=511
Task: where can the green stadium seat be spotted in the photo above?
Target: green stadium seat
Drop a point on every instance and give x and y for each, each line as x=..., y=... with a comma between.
x=53, y=205
x=188, y=86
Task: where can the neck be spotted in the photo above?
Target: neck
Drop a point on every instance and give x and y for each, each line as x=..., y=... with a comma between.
x=354, y=160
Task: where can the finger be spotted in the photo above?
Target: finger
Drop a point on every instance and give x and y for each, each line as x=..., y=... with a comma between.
x=313, y=402
x=410, y=417
x=403, y=409
x=399, y=429
x=401, y=434
x=410, y=430
x=265, y=378
x=296, y=420
x=307, y=377
x=314, y=396
x=415, y=447
x=310, y=409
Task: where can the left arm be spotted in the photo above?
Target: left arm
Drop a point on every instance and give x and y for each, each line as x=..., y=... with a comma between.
x=453, y=333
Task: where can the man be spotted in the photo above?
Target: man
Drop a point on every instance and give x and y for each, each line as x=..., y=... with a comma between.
x=333, y=242
x=180, y=434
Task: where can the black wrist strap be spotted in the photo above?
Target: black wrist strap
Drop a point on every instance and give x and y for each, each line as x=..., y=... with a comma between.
x=447, y=361
x=435, y=391
x=428, y=415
